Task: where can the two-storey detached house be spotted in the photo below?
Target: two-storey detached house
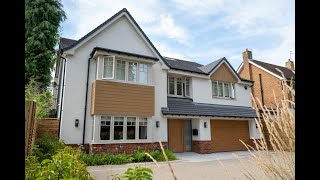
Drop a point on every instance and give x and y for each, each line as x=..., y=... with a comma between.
x=116, y=93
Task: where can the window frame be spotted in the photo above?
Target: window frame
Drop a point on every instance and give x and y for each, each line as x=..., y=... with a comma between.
x=116, y=69
x=100, y=124
x=142, y=118
x=175, y=85
x=231, y=89
x=113, y=66
x=123, y=128
x=126, y=128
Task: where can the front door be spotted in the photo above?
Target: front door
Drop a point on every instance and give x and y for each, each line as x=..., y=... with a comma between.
x=179, y=135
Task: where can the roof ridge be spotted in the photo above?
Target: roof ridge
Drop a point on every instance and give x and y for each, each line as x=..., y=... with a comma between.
x=170, y=58
x=270, y=63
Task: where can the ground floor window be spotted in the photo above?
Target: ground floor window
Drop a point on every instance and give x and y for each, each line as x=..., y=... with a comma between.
x=123, y=128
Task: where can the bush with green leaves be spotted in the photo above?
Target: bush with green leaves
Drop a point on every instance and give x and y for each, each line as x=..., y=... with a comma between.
x=137, y=156
x=41, y=96
x=47, y=146
x=66, y=164
x=138, y=173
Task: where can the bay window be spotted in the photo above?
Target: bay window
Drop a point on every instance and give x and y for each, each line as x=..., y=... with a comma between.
x=223, y=89
x=123, y=70
x=179, y=86
x=123, y=128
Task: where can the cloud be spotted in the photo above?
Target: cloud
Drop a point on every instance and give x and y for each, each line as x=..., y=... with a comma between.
x=167, y=28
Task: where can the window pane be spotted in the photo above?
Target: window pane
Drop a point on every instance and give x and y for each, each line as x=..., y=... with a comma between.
x=187, y=87
x=143, y=73
x=132, y=74
x=232, y=91
x=143, y=128
x=120, y=70
x=131, y=128
x=226, y=90
x=118, y=128
x=171, y=85
x=220, y=89
x=105, y=128
x=179, y=86
x=214, y=88
x=108, y=67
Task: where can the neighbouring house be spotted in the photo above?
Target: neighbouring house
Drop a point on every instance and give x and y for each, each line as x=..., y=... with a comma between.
x=267, y=79
x=116, y=93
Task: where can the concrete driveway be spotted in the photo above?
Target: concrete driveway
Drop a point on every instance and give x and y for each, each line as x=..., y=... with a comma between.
x=222, y=165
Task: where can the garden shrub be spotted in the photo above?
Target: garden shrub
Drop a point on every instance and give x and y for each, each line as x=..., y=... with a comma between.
x=47, y=146
x=66, y=164
x=139, y=156
x=138, y=172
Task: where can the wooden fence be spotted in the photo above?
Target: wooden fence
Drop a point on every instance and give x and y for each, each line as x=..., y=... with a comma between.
x=50, y=125
x=30, y=126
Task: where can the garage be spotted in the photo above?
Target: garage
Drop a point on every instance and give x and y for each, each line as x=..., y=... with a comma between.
x=225, y=135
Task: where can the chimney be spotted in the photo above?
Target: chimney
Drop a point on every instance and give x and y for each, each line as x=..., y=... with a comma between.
x=290, y=65
x=246, y=55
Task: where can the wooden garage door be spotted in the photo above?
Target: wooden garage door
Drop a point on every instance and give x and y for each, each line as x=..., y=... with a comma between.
x=225, y=135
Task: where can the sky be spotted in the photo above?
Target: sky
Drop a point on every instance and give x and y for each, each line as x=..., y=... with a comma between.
x=198, y=30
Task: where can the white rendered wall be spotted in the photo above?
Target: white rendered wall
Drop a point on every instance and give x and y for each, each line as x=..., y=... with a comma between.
x=204, y=134
x=202, y=93
x=119, y=36
x=253, y=131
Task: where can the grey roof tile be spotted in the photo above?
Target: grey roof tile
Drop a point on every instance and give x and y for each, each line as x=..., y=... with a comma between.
x=183, y=65
x=182, y=106
x=65, y=42
x=209, y=67
x=288, y=74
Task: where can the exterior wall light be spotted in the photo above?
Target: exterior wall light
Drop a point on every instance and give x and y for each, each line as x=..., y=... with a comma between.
x=205, y=124
x=76, y=123
x=157, y=124
x=245, y=87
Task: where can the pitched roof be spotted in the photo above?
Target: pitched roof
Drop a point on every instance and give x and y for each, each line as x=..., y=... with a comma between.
x=288, y=74
x=65, y=42
x=186, y=107
x=209, y=67
x=183, y=65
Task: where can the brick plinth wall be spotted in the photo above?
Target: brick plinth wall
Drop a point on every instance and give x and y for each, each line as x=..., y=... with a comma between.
x=76, y=146
x=125, y=148
x=201, y=147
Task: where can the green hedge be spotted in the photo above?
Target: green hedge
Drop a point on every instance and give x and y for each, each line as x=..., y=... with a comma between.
x=137, y=156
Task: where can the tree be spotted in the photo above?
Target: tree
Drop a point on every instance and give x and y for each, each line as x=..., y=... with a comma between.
x=42, y=23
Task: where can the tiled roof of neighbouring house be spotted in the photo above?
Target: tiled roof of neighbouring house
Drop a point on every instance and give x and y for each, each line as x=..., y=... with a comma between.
x=65, y=42
x=271, y=67
x=182, y=106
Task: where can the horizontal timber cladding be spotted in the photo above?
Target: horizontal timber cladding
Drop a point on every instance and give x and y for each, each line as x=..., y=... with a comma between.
x=115, y=98
x=225, y=135
x=223, y=73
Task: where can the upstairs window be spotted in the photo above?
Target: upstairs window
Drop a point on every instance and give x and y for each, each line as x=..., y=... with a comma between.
x=143, y=73
x=132, y=72
x=121, y=70
x=223, y=89
x=108, y=67
x=179, y=86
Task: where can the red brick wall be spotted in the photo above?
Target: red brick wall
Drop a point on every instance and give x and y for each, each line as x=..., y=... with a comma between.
x=125, y=148
x=76, y=146
x=270, y=83
x=201, y=147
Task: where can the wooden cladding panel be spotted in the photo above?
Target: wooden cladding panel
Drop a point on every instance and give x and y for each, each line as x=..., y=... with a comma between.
x=225, y=135
x=115, y=98
x=223, y=73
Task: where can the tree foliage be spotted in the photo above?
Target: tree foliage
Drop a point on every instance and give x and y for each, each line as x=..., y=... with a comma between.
x=42, y=23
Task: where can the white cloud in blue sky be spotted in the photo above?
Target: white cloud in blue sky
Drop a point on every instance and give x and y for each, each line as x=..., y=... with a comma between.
x=198, y=30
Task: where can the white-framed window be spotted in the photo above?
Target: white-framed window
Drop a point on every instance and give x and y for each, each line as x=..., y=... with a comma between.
x=118, y=128
x=132, y=71
x=120, y=70
x=143, y=73
x=179, y=86
x=108, y=67
x=143, y=130
x=131, y=128
x=187, y=87
x=171, y=85
x=105, y=127
x=122, y=128
x=223, y=89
